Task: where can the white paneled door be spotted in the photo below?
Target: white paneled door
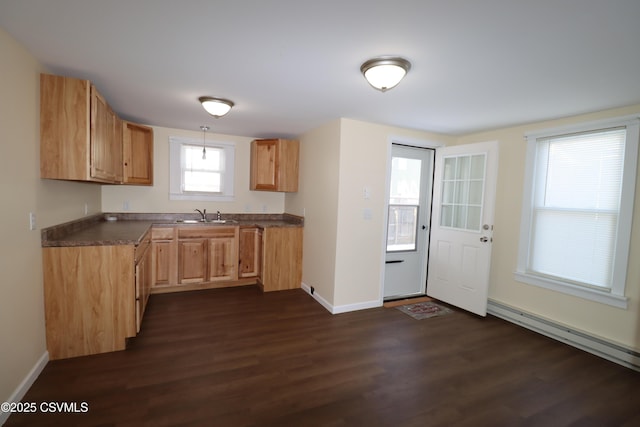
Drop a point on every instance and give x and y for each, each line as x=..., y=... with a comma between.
x=462, y=225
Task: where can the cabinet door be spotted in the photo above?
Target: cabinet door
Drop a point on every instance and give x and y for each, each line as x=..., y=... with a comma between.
x=106, y=140
x=165, y=263
x=143, y=286
x=192, y=260
x=89, y=295
x=65, y=111
x=137, y=146
x=264, y=165
x=274, y=165
x=223, y=259
x=282, y=258
x=250, y=252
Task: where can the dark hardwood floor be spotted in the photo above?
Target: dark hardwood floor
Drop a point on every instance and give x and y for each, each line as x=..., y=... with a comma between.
x=236, y=357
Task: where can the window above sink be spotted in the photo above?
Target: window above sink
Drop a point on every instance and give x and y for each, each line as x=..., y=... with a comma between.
x=193, y=178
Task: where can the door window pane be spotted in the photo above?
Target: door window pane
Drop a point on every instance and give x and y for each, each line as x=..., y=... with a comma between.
x=462, y=192
x=402, y=228
x=404, y=198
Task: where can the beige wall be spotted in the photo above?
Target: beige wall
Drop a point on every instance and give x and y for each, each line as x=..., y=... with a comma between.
x=317, y=200
x=364, y=154
x=343, y=252
x=21, y=295
x=156, y=198
x=614, y=324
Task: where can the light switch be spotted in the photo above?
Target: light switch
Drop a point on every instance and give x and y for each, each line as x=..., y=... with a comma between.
x=366, y=193
x=367, y=214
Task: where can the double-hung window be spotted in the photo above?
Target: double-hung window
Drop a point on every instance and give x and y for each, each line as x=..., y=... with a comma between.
x=577, y=209
x=200, y=171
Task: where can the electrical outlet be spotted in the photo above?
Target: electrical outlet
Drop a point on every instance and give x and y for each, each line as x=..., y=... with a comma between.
x=86, y=208
x=32, y=221
x=125, y=205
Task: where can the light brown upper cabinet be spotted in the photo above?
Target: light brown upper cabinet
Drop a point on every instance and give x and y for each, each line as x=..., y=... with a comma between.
x=137, y=146
x=274, y=165
x=80, y=135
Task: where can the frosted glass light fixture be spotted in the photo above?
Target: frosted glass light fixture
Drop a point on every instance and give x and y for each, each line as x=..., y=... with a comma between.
x=385, y=72
x=217, y=107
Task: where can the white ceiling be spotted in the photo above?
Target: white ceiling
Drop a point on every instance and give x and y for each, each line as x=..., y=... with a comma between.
x=292, y=65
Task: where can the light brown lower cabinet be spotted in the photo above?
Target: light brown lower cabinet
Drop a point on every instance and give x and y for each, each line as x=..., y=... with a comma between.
x=164, y=252
x=192, y=261
x=223, y=256
x=90, y=306
x=95, y=296
x=187, y=257
x=207, y=254
x=143, y=277
x=281, y=258
x=249, y=252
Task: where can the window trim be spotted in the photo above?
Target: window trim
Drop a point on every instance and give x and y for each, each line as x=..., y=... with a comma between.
x=175, y=178
x=615, y=296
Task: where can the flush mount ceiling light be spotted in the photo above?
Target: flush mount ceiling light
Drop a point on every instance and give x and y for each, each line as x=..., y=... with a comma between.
x=385, y=72
x=217, y=107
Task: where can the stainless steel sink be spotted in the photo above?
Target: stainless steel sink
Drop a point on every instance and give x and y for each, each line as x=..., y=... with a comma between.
x=209, y=221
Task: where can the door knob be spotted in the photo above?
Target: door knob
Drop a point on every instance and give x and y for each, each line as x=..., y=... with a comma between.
x=484, y=239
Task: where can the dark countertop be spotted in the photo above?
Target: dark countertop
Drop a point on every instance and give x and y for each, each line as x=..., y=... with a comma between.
x=129, y=229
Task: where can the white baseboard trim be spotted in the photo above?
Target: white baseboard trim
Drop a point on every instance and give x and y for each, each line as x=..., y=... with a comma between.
x=354, y=307
x=611, y=351
x=323, y=302
x=26, y=383
x=340, y=308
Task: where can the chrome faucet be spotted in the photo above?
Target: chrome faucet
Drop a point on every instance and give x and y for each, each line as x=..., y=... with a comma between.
x=218, y=216
x=203, y=214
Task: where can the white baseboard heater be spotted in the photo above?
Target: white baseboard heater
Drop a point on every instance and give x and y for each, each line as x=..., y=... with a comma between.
x=607, y=350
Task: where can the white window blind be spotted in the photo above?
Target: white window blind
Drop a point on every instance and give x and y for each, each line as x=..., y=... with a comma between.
x=202, y=175
x=577, y=209
x=576, y=206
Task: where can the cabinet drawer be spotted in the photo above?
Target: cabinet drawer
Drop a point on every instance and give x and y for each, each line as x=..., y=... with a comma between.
x=200, y=232
x=162, y=233
x=141, y=249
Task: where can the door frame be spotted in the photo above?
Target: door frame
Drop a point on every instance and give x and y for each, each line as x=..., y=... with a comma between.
x=411, y=142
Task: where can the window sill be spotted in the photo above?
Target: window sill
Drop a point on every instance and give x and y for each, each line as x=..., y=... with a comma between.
x=201, y=197
x=565, y=288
